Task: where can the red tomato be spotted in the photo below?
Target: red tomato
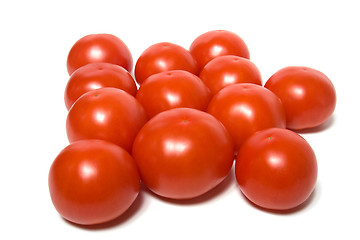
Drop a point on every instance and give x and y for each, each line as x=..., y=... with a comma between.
x=172, y=89
x=107, y=113
x=308, y=96
x=182, y=153
x=162, y=57
x=225, y=70
x=245, y=108
x=216, y=43
x=93, y=181
x=276, y=169
x=97, y=75
x=99, y=48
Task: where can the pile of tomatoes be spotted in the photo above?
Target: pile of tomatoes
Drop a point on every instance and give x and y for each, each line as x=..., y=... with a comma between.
x=180, y=123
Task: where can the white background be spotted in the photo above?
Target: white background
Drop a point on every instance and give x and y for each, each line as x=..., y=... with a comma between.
x=35, y=39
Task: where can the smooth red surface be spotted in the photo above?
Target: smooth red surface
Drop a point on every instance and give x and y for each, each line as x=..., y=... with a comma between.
x=226, y=70
x=93, y=181
x=173, y=89
x=245, y=108
x=308, y=96
x=99, y=48
x=108, y=113
x=97, y=75
x=276, y=169
x=183, y=153
x=162, y=57
x=216, y=43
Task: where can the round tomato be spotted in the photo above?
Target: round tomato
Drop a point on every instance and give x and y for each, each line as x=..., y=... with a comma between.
x=245, y=108
x=163, y=57
x=308, y=96
x=97, y=75
x=107, y=113
x=225, y=70
x=93, y=181
x=182, y=153
x=276, y=169
x=216, y=43
x=99, y=48
x=172, y=89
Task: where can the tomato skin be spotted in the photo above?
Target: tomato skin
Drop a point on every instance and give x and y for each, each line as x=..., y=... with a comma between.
x=245, y=108
x=308, y=96
x=182, y=153
x=109, y=114
x=93, y=181
x=99, y=48
x=172, y=89
x=162, y=57
x=276, y=169
x=216, y=43
x=97, y=75
x=225, y=70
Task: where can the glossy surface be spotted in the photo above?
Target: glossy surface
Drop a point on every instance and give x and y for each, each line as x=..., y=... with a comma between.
x=93, y=181
x=246, y=108
x=99, y=48
x=308, y=96
x=108, y=113
x=216, y=43
x=183, y=153
x=97, y=75
x=276, y=169
x=162, y=57
x=172, y=89
x=225, y=70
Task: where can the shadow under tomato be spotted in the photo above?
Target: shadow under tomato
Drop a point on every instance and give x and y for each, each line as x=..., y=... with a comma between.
x=130, y=213
x=297, y=209
x=218, y=190
x=323, y=127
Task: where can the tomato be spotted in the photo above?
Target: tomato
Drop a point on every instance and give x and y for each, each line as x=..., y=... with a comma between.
x=99, y=48
x=245, y=108
x=182, y=153
x=162, y=57
x=107, y=113
x=93, y=181
x=172, y=89
x=276, y=169
x=308, y=96
x=97, y=75
x=225, y=70
x=216, y=43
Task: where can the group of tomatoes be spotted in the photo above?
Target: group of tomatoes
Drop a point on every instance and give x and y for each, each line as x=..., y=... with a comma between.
x=178, y=123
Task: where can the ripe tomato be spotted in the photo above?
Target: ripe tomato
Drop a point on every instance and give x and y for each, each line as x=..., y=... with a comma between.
x=97, y=75
x=107, y=113
x=182, y=153
x=308, y=96
x=93, y=181
x=225, y=70
x=216, y=43
x=276, y=169
x=245, y=108
x=163, y=57
x=99, y=48
x=172, y=89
